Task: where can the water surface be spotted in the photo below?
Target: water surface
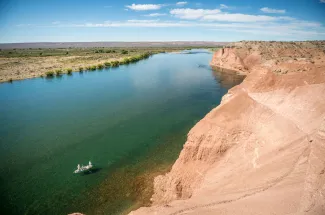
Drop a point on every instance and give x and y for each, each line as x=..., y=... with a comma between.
x=131, y=122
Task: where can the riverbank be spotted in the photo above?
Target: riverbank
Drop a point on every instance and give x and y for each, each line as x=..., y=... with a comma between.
x=19, y=64
x=262, y=149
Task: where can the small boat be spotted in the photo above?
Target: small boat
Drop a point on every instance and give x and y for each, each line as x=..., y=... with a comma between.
x=81, y=169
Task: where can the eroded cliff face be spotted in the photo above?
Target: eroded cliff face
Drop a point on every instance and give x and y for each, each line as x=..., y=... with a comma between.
x=278, y=57
x=261, y=151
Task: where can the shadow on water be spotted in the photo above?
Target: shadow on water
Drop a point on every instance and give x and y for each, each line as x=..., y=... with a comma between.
x=204, y=66
x=93, y=171
x=58, y=76
x=49, y=78
x=227, y=78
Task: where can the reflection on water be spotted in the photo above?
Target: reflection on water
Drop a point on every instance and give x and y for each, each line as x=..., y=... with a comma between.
x=196, y=51
x=227, y=78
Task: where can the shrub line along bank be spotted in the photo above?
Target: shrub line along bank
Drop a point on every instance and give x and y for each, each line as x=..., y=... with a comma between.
x=114, y=63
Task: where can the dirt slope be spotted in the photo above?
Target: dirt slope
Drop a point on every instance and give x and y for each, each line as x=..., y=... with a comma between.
x=262, y=151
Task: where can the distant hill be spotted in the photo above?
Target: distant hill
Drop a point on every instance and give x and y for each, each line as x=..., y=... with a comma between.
x=108, y=44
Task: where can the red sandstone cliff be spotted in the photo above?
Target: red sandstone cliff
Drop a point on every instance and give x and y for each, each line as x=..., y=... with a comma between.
x=262, y=150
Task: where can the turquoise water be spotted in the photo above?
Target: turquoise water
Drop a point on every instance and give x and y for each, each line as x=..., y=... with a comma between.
x=131, y=122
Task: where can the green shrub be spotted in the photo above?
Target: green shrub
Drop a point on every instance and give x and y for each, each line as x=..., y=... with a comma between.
x=69, y=71
x=93, y=68
x=99, y=51
x=145, y=55
x=88, y=67
x=100, y=66
x=49, y=74
x=107, y=64
x=115, y=63
x=126, y=61
x=134, y=59
x=58, y=72
x=81, y=69
x=124, y=51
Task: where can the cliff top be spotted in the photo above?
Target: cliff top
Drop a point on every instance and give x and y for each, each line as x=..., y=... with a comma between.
x=279, y=57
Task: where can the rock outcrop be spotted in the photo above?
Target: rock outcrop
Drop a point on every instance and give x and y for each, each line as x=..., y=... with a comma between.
x=262, y=150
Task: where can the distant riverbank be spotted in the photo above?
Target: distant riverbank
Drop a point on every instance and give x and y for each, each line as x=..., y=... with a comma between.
x=18, y=64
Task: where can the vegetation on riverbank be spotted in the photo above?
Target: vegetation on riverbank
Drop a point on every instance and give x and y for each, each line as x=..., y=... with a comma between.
x=114, y=63
x=58, y=72
x=18, y=64
x=49, y=74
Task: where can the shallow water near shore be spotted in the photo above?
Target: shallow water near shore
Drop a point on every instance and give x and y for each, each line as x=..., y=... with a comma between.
x=130, y=121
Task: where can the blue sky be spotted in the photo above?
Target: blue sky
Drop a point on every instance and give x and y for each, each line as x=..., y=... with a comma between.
x=163, y=20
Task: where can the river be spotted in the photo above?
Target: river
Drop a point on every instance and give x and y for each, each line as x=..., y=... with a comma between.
x=130, y=121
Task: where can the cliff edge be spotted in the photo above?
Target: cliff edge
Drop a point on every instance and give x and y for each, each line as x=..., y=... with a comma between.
x=278, y=57
x=262, y=150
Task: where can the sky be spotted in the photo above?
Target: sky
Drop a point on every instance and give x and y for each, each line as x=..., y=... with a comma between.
x=160, y=20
